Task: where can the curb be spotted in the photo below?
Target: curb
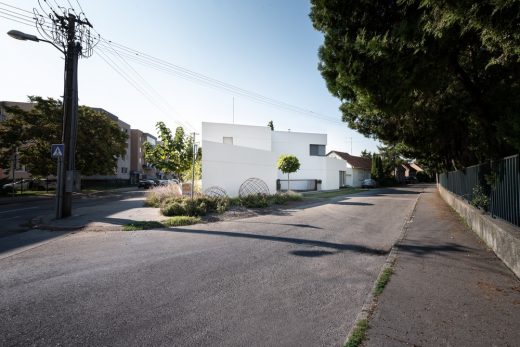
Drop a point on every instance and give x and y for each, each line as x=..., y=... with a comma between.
x=370, y=302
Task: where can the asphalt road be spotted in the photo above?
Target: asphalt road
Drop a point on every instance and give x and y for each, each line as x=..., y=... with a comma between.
x=15, y=217
x=298, y=278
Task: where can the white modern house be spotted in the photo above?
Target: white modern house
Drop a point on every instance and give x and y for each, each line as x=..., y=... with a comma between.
x=233, y=153
x=356, y=169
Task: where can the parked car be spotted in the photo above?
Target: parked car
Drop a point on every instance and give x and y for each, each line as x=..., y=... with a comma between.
x=368, y=183
x=18, y=185
x=146, y=184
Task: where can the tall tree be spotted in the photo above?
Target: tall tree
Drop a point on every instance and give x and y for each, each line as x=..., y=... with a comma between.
x=366, y=154
x=173, y=153
x=288, y=164
x=100, y=140
x=439, y=77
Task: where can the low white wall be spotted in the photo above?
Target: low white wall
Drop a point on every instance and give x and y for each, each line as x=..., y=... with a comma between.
x=503, y=238
x=228, y=166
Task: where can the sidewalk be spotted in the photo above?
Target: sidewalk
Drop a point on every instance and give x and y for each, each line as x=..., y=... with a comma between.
x=447, y=289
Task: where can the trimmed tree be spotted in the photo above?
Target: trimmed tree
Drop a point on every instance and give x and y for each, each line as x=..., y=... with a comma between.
x=288, y=164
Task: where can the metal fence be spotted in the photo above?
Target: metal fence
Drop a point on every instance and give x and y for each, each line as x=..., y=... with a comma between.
x=499, y=181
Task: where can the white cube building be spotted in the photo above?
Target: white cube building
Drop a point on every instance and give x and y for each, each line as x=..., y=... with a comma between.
x=233, y=153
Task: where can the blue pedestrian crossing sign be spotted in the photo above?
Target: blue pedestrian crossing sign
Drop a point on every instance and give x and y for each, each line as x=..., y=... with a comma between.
x=57, y=150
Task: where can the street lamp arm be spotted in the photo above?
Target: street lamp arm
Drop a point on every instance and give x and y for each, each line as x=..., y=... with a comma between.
x=15, y=34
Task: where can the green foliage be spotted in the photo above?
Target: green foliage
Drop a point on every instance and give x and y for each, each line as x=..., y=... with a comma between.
x=178, y=221
x=288, y=164
x=480, y=198
x=358, y=335
x=271, y=125
x=142, y=225
x=366, y=154
x=199, y=206
x=173, y=153
x=255, y=201
x=440, y=78
x=377, y=171
x=383, y=280
x=100, y=141
x=423, y=177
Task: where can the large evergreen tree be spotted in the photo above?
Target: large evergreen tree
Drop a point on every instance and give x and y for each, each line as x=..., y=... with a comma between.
x=440, y=78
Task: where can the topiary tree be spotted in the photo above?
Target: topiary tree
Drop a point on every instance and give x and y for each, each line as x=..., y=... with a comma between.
x=288, y=164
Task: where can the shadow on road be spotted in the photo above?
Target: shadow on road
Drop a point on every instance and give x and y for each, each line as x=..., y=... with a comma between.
x=336, y=246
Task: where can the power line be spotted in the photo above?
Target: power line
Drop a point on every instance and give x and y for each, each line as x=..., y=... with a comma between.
x=146, y=84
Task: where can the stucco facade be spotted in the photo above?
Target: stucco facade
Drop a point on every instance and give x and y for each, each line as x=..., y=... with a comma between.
x=233, y=153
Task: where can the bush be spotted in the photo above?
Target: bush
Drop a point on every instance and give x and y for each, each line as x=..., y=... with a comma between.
x=284, y=198
x=480, y=199
x=199, y=206
x=255, y=200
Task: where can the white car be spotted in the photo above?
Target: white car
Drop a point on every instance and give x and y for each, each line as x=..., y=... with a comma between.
x=18, y=185
x=369, y=183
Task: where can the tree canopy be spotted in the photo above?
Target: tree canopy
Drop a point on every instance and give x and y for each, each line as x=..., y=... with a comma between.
x=288, y=163
x=173, y=153
x=441, y=79
x=100, y=141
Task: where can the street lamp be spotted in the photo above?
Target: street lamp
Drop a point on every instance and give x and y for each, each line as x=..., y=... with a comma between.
x=66, y=165
x=15, y=34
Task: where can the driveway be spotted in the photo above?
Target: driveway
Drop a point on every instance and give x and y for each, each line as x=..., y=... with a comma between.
x=295, y=278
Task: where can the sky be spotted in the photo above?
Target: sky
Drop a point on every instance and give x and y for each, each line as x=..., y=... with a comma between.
x=266, y=47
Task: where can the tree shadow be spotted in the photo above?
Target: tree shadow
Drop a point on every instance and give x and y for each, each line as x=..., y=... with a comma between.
x=315, y=243
x=420, y=250
x=353, y=203
x=311, y=254
x=288, y=224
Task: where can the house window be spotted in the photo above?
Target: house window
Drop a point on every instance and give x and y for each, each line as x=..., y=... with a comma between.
x=124, y=170
x=317, y=150
x=227, y=140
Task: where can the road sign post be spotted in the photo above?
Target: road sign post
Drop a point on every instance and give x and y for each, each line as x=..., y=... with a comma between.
x=57, y=153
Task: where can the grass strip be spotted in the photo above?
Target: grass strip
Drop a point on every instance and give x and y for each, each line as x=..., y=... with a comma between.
x=382, y=281
x=178, y=221
x=142, y=225
x=358, y=335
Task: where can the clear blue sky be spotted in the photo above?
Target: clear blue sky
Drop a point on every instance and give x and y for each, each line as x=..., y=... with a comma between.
x=267, y=47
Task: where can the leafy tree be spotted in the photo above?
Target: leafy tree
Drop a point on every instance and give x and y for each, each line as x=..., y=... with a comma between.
x=271, y=125
x=440, y=78
x=288, y=164
x=366, y=154
x=173, y=153
x=100, y=141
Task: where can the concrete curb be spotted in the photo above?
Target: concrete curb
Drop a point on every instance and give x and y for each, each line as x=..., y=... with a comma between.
x=503, y=238
x=370, y=302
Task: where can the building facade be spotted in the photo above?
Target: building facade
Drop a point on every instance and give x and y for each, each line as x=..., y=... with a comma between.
x=139, y=168
x=355, y=170
x=234, y=153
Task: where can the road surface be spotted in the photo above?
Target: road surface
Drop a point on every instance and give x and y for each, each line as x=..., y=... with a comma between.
x=296, y=278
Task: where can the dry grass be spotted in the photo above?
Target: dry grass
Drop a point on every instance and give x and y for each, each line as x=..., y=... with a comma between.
x=156, y=195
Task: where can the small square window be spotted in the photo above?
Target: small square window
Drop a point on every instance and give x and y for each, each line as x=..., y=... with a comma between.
x=317, y=150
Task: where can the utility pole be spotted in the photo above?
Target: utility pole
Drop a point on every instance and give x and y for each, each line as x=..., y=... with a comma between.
x=70, y=121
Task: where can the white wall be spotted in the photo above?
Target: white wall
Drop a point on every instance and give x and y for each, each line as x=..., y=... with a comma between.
x=254, y=153
x=243, y=135
x=228, y=166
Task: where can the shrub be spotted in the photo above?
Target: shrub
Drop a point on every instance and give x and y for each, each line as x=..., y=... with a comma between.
x=156, y=196
x=255, y=200
x=480, y=199
x=178, y=221
x=199, y=206
x=142, y=225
